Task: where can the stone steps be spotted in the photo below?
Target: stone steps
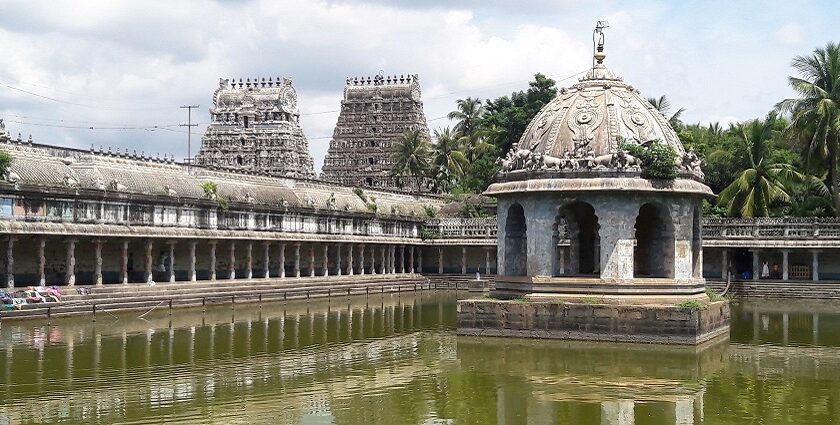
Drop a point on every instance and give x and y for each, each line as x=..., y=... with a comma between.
x=812, y=290
x=129, y=297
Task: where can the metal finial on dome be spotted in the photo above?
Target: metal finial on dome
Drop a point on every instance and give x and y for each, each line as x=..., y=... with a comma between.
x=598, y=43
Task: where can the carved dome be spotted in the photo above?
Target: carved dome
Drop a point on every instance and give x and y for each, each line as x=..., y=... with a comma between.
x=596, y=113
x=578, y=136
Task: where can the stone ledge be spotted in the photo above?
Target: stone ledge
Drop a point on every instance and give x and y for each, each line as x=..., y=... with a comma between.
x=603, y=322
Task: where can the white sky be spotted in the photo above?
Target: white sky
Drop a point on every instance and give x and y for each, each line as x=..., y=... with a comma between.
x=131, y=64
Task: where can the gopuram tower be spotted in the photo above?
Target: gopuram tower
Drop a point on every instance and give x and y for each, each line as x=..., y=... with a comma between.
x=375, y=113
x=254, y=127
x=595, y=243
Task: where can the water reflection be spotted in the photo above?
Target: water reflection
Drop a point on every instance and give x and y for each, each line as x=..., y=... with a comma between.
x=395, y=360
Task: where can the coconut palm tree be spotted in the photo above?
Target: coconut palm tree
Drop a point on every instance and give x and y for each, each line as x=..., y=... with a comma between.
x=815, y=114
x=663, y=105
x=449, y=162
x=468, y=115
x=412, y=157
x=763, y=183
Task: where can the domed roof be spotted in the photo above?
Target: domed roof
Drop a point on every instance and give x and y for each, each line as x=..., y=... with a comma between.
x=581, y=130
x=596, y=114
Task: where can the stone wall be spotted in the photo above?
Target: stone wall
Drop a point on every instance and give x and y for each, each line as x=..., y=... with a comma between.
x=634, y=323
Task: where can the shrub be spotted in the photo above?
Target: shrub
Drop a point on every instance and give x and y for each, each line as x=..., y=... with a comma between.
x=427, y=233
x=658, y=161
x=431, y=212
x=714, y=296
x=5, y=162
x=692, y=305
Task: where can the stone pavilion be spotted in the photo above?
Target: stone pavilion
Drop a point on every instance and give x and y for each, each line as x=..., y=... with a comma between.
x=596, y=250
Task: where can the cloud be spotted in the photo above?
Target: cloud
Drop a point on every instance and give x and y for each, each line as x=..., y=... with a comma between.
x=134, y=63
x=791, y=35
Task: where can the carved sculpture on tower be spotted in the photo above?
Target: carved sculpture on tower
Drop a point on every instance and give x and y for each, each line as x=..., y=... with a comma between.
x=375, y=113
x=254, y=127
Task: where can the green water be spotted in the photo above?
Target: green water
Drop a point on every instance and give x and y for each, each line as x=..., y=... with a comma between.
x=396, y=360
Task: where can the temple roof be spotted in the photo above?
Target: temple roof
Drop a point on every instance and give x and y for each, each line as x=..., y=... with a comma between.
x=582, y=132
x=118, y=175
x=597, y=113
x=252, y=96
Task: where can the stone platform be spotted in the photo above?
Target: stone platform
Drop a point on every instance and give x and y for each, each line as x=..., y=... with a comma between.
x=651, y=323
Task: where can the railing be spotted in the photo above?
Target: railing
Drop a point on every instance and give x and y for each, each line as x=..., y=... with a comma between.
x=460, y=228
x=771, y=228
x=713, y=228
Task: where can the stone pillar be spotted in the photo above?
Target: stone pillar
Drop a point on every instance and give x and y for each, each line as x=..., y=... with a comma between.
x=463, y=260
x=191, y=273
x=297, y=259
x=486, y=260
x=724, y=264
x=620, y=412
x=123, y=262
x=213, y=260
x=249, y=260
x=266, y=260
x=97, y=262
x=785, y=264
x=373, y=259
x=756, y=263
x=338, y=259
x=411, y=259
x=617, y=236
x=440, y=260
x=815, y=265
x=393, y=259
x=402, y=259
x=326, y=260
x=150, y=263
x=42, y=262
x=311, y=260
x=10, y=263
x=382, y=265
x=350, y=260
x=361, y=259
x=171, y=265
x=232, y=261
x=282, y=260
x=419, y=259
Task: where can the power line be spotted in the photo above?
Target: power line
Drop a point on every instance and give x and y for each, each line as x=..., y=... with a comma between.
x=189, y=126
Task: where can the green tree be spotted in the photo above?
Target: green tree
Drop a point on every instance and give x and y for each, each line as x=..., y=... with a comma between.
x=412, y=157
x=449, y=162
x=467, y=116
x=510, y=115
x=663, y=105
x=5, y=162
x=764, y=182
x=815, y=114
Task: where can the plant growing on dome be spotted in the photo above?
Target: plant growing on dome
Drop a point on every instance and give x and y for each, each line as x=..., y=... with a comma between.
x=659, y=161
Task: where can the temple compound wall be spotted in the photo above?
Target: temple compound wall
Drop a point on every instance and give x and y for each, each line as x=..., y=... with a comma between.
x=254, y=126
x=375, y=113
x=103, y=217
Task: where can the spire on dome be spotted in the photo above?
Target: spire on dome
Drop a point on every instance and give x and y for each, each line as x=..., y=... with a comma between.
x=598, y=43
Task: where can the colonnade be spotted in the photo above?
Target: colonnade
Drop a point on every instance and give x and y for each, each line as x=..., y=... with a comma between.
x=759, y=256
x=238, y=256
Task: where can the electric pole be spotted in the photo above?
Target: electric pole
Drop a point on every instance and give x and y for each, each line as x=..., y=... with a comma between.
x=189, y=126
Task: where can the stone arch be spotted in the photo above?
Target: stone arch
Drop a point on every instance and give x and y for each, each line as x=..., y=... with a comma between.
x=516, y=242
x=697, y=243
x=654, y=251
x=576, y=238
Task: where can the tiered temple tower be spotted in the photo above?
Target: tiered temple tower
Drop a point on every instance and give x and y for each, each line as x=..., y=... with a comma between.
x=375, y=113
x=254, y=127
